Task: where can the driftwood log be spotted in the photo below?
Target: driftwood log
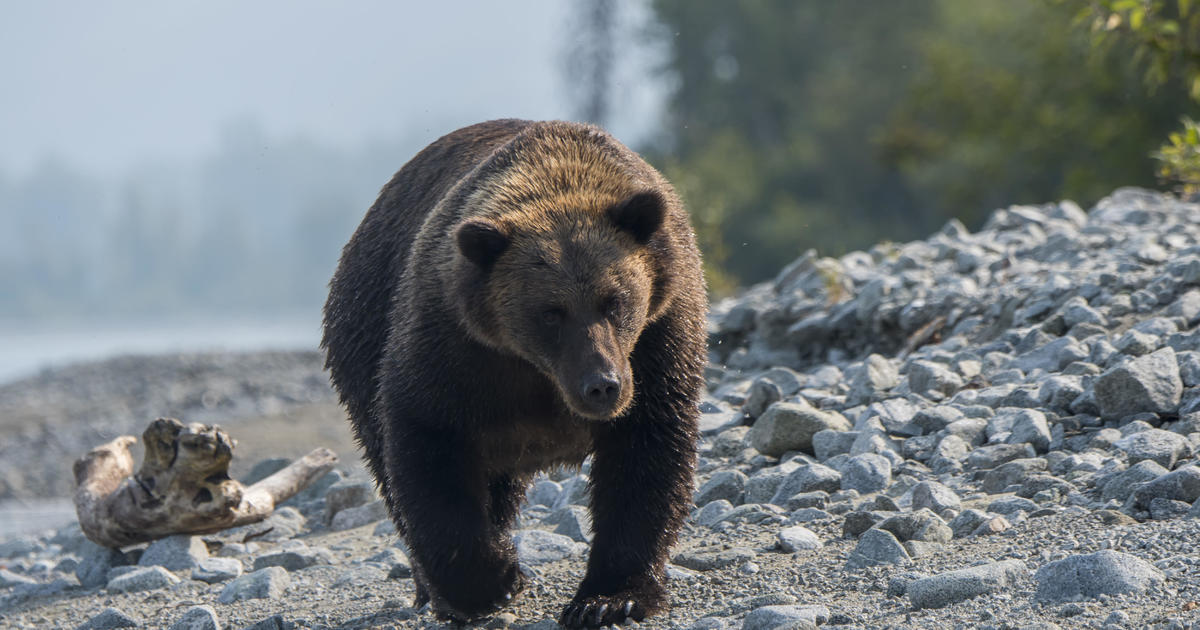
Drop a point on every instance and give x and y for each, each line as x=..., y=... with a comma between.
x=183, y=486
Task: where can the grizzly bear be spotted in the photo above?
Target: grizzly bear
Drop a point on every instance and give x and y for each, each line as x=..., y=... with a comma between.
x=523, y=295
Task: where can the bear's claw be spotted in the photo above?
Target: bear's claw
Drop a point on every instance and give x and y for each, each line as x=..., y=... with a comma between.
x=597, y=612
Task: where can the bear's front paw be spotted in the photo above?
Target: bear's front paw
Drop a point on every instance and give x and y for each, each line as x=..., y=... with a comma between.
x=595, y=611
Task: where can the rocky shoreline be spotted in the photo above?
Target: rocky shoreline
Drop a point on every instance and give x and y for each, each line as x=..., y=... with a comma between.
x=996, y=429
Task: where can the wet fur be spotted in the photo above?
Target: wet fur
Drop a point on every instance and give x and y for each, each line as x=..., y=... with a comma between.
x=455, y=413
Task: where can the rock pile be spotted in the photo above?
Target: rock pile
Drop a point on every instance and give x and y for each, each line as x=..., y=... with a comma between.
x=988, y=430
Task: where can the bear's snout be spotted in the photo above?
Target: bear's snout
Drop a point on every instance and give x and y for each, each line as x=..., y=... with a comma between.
x=602, y=389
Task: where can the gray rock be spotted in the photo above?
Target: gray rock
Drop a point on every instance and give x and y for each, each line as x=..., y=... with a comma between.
x=110, y=618
x=1029, y=426
x=1165, y=509
x=762, y=485
x=1052, y=356
x=807, y=478
x=710, y=559
x=543, y=492
x=874, y=378
x=969, y=522
x=866, y=473
x=175, y=553
x=877, y=547
x=265, y=468
x=198, y=618
x=762, y=394
x=955, y=586
x=1035, y=486
x=922, y=525
x=926, y=377
x=729, y=485
x=1091, y=575
x=215, y=570
x=1148, y=383
x=859, y=521
x=934, y=419
x=282, y=524
x=1181, y=484
x=347, y=494
x=934, y=496
x=535, y=546
x=572, y=521
x=752, y=513
x=991, y=525
x=1162, y=447
x=992, y=455
x=575, y=491
x=8, y=578
x=1120, y=485
x=268, y=583
x=827, y=443
x=1012, y=506
x=17, y=547
x=357, y=516
x=808, y=515
x=1011, y=473
x=274, y=622
x=780, y=617
x=92, y=570
x=797, y=538
x=789, y=426
x=294, y=558
x=711, y=513
x=142, y=579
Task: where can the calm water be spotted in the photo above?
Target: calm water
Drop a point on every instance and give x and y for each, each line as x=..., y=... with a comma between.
x=26, y=349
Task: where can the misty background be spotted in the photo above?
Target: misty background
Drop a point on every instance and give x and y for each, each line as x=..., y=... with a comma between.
x=177, y=175
x=183, y=175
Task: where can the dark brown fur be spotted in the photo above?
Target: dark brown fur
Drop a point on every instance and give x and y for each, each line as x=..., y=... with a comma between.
x=523, y=295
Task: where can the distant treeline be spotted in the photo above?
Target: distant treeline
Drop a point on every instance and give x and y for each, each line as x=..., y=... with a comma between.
x=835, y=125
x=254, y=229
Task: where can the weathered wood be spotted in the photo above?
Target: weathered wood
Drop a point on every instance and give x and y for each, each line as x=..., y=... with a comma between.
x=183, y=486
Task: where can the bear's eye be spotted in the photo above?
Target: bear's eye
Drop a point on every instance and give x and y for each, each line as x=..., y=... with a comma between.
x=611, y=307
x=553, y=316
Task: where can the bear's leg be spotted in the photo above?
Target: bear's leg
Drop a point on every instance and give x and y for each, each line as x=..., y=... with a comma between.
x=641, y=490
x=467, y=565
x=637, y=509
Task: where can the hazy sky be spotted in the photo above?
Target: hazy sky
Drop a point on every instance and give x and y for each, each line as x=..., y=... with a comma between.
x=107, y=85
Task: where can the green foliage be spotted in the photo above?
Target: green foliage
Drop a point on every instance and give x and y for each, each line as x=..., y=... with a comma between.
x=835, y=125
x=1165, y=37
x=1179, y=158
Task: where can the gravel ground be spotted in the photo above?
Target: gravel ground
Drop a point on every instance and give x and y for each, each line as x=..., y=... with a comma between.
x=988, y=430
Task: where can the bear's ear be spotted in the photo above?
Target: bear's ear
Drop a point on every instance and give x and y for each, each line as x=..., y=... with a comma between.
x=640, y=215
x=481, y=241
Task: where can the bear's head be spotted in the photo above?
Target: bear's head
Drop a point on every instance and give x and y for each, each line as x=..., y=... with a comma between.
x=569, y=290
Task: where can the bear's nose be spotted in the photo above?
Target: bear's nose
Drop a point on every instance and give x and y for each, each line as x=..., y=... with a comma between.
x=601, y=389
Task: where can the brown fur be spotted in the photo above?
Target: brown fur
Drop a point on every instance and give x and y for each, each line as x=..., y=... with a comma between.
x=523, y=295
